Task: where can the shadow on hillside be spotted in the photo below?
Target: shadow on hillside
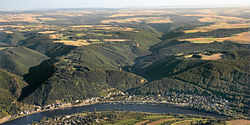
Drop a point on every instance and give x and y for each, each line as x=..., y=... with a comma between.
x=37, y=76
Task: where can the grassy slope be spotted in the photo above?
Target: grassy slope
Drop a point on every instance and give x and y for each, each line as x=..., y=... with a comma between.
x=20, y=59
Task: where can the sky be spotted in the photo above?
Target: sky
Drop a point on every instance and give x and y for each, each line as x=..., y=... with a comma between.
x=6, y=5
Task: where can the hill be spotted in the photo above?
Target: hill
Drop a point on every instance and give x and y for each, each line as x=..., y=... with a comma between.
x=19, y=59
x=10, y=88
x=224, y=78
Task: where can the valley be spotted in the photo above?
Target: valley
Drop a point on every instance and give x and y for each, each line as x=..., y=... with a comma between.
x=196, y=59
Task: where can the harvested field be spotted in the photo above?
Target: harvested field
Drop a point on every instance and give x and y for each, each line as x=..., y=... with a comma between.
x=47, y=32
x=243, y=38
x=221, y=19
x=239, y=122
x=8, y=32
x=70, y=13
x=2, y=48
x=141, y=19
x=124, y=20
x=115, y=40
x=56, y=36
x=18, y=17
x=200, y=40
x=47, y=19
x=240, y=38
x=161, y=20
x=218, y=26
x=83, y=26
x=74, y=43
x=5, y=119
x=212, y=17
x=212, y=57
x=122, y=15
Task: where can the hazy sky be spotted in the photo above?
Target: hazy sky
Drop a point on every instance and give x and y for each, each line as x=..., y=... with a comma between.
x=51, y=4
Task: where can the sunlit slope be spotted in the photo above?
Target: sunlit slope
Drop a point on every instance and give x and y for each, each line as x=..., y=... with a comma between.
x=19, y=59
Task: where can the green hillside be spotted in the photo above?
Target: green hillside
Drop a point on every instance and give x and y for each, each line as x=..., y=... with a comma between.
x=10, y=88
x=86, y=70
x=55, y=80
x=225, y=78
x=19, y=59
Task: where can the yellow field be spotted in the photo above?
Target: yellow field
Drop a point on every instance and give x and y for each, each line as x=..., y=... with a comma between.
x=239, y=38
x=221, y=22
x=83, y=42
x=124, y=20
x=218, y=26
x=1, y=48
x=47, y=32
x=160, y=20
x=23, y=17
x=122, y=15
x=83, y=26
x=9, y=32
x=74, y=43
x=115, y=40
x=140, y=19
x=104, y=27
x=212, y=57
x=18, y=17
x=216, y=18
x=46, y=19
x=239, y=122
x=70, y=13
x=213, y=17
x=139, y=12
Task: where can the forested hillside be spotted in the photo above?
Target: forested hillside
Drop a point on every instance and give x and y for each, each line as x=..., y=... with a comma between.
x=161, y=55
x=10, y=88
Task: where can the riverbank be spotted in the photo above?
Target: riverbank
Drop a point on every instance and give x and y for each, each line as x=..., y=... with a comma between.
x=109, y=106
x=5, y=119
x=169, y=104
x=9, y=118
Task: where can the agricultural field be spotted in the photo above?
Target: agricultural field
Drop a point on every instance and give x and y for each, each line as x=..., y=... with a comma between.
x=24, y=18
x=140, y=19
x=243, y=38
x=215, y=26
x=216, y=56
x=238, y=122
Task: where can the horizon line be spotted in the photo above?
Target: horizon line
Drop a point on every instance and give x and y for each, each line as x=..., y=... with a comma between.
x=135, y=7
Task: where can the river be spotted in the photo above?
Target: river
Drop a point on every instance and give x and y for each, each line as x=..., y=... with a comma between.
x=140, y=107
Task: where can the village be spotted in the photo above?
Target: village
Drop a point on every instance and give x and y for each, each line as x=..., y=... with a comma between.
x=202, y=103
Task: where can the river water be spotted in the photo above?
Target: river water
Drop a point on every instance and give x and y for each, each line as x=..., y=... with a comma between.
x=140, y=107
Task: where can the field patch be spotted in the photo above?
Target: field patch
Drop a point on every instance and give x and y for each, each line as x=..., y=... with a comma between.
x=23, y=18
x=140, y=19
x=212, y=57
x=243, y=38
x=74, y=43
x=239, y=122
x=47, y=32
x=222, y=25
x=115, y=40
